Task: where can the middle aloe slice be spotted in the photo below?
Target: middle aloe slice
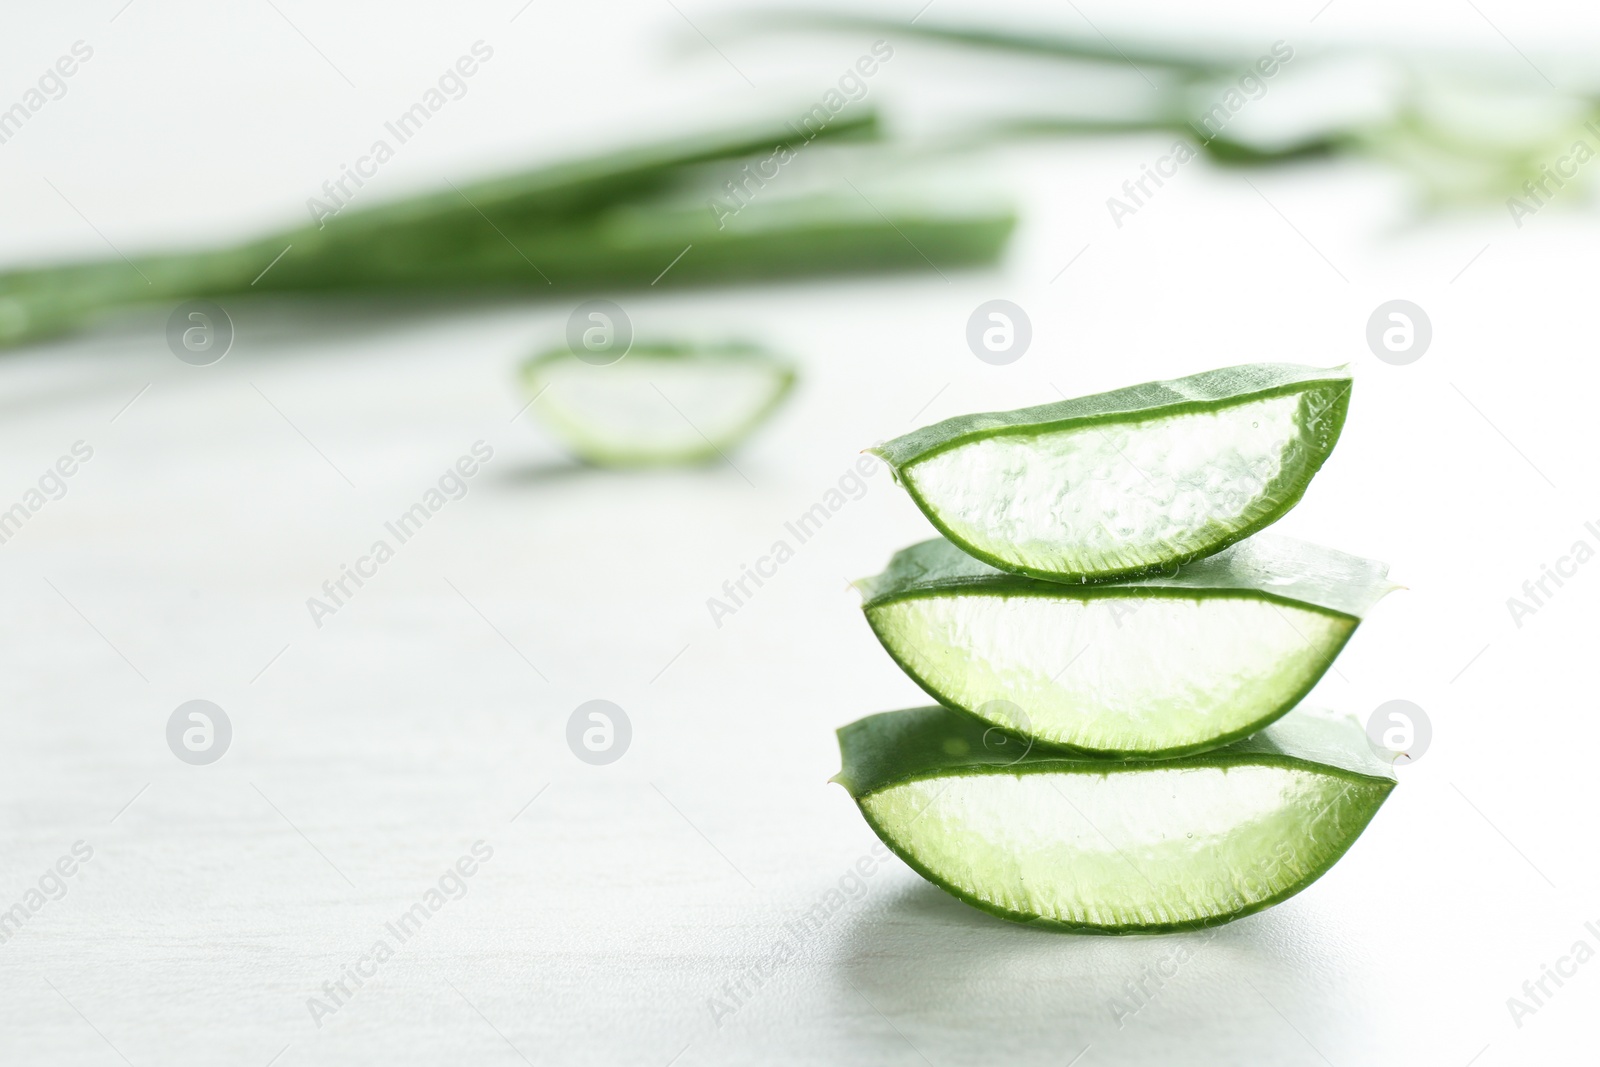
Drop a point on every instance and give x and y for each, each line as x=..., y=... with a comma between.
x=1149, y=668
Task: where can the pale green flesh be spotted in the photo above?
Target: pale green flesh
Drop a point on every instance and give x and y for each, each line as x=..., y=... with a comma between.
x=1129, y=848
x=1112, y=674
x=1113, y=497
x=652, y=410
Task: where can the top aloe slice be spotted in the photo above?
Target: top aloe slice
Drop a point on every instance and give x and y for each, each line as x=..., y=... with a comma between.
x=1128, y=482
x=1038, y=837
x=659, y=404
x=1152, y=667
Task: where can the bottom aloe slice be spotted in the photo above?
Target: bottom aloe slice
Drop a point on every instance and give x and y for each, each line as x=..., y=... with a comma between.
x=1154, y=667
x=657, y=404
x=1114, y=847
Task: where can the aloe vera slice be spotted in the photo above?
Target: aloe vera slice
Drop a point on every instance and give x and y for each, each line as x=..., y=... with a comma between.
x=1128, y=482
x=659, y=404
x=1107, y=847
x=1153, y=667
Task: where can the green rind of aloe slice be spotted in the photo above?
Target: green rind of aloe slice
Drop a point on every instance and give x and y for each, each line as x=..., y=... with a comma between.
x=1130, y=482
x=1152, y=846
x=659, y=404
x=1154, y=667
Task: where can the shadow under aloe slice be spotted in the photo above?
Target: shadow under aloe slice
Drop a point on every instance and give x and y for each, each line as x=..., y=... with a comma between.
x=1129, y=482
x=1096, y=846
x=1152, y=667
x=658, y=404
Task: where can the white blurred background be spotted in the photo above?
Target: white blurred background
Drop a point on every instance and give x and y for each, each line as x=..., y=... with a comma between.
x=369, y=754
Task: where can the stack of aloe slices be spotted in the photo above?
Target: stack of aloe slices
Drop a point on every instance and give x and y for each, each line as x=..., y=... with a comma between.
x=1119, y=656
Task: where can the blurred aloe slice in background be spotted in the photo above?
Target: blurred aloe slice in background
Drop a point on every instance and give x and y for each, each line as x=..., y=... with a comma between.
x=657, y=404
x=1106, y=847
x=1151, y=668
x=1128, y=482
